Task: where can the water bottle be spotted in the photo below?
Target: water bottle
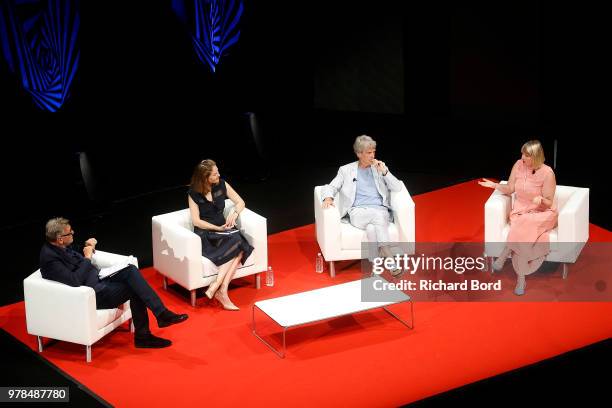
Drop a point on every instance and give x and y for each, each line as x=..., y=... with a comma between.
x=319, y=263
x=269, y=277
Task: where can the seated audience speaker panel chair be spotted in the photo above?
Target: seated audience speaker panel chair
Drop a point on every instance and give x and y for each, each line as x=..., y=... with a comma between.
x=566, y=240
x=177, y=250
x=340, y=241
x=67, y=313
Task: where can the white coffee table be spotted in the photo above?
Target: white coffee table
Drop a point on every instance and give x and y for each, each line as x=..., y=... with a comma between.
x=321, y=304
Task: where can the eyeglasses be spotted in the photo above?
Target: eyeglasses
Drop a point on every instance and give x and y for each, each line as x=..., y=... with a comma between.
x=66, y=234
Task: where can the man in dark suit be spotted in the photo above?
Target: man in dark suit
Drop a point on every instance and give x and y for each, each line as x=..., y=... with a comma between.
x=61, y=263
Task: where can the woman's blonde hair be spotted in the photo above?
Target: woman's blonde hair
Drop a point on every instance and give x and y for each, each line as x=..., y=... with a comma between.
x=533, y=149
x=199, y=178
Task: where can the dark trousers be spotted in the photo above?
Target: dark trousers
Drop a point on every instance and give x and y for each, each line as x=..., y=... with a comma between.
x=128, y=284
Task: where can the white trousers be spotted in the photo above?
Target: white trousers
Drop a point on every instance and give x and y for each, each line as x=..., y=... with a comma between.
x=375, y=221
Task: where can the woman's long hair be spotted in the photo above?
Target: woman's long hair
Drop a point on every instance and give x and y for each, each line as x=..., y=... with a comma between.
x=199, y=179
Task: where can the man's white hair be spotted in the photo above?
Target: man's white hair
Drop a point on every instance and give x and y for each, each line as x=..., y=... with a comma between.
x=362, y=143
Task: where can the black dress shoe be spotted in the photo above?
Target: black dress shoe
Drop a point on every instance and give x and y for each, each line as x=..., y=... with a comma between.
x=151, y=341
x=168, y=318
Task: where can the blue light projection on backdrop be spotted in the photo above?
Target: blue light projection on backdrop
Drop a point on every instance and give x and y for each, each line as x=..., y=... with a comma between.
x=39, y=43
x=213, y=25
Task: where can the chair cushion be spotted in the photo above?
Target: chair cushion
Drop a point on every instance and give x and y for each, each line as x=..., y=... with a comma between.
x=552, y=235
x=210, y=269
x=352, y=237
x=107, y=316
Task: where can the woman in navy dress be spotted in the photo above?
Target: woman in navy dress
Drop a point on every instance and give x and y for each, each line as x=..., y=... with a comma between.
x=222, y=243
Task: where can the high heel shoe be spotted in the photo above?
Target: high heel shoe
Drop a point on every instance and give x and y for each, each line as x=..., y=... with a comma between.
x=226, y=302
x=498, y=265
x=521, y=284
x=212, y=289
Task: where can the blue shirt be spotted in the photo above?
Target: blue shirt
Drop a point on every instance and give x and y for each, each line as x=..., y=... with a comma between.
x=367, y=194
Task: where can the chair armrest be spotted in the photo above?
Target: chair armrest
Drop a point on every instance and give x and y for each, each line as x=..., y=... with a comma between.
x=573, y=222
x=59, y=311
x=403, y=214
x=497, y=211
x=254, y=227
x=177, y=252
x=327, y=221
x=252, y=223
x=105, y=259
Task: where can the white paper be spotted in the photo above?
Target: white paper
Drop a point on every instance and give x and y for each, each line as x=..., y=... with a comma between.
x=228, y=232
x=113, y=269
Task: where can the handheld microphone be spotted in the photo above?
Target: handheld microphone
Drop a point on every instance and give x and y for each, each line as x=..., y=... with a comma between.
x=354, y=179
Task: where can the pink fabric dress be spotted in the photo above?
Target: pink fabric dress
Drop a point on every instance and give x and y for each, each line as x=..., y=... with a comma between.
x=530, y=223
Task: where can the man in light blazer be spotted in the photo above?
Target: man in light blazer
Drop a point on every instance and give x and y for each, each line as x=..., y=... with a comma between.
x=364, y=188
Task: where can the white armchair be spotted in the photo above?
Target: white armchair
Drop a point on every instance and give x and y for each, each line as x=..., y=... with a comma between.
x=566, y=240
x=67, y=313
x=340, y=241
x=177, y=250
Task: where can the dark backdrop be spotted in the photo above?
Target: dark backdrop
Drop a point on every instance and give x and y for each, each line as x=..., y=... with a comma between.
x=446, y=88
x=145, y=110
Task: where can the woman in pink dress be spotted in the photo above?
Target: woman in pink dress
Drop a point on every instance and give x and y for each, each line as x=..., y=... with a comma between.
x=533, y=212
